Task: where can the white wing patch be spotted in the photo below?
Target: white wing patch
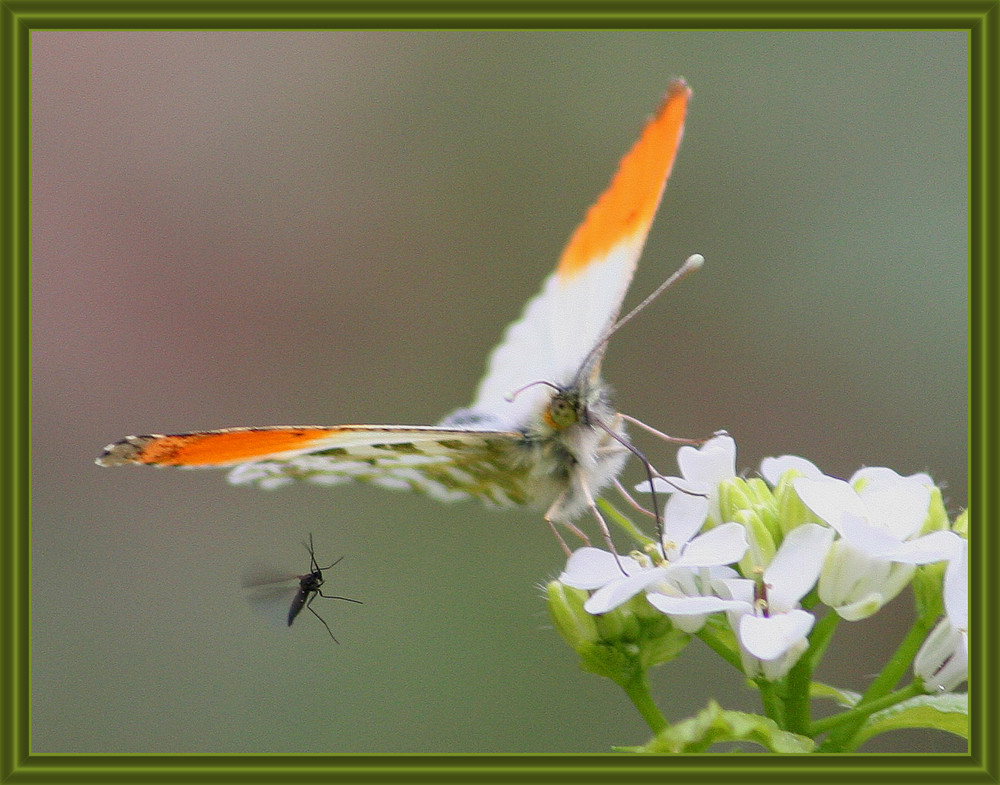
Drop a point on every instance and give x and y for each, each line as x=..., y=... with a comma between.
x=549, y=343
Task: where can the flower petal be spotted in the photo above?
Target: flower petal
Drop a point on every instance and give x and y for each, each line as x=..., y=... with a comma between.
x=691, y=606
x=737, y=589
x=898, y=507
x=683, y=516
x=872, y=540
x=771, y=469
x=933, y=547
x=878, y=474
x=830, y=498
x=768, y=638
x=796, y=566
x=614, y=593
x=724, y=544
x=713, y=462
x=956, y=589
x=591, y=568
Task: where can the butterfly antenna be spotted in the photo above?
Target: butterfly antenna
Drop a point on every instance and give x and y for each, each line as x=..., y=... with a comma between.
x=511, y=396
x=692, y=263
x=650, y=472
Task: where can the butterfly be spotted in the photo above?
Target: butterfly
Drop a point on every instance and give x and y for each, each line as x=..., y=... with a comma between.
x=541, y=430
x=265, y=586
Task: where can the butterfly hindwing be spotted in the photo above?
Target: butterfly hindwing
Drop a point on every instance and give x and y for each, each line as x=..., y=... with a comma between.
x=445, y=463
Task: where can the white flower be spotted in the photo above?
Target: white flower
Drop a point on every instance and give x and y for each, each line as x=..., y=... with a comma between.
x=690, y=564
x=687, y=595
x=618, y=579
x=879, y=527
x=702, y=470
x=943, y=661
x=772, y=629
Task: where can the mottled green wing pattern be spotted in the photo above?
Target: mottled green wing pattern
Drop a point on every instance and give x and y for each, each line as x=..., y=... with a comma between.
x=493, y=466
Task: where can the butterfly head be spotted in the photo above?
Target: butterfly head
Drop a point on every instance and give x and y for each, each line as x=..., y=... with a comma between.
x=565, y=408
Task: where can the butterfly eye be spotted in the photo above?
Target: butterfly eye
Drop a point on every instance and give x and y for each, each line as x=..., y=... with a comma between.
x=563, y=411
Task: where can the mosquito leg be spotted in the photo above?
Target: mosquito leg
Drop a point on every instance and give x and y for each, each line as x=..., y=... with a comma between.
x=313, y=612
x=338, y=597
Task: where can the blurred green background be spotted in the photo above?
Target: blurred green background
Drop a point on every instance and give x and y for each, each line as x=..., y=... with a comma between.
x=318, y=228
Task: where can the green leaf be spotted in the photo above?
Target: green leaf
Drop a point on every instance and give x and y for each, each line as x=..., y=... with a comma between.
x=714, y=724
x=848, y=698
x=948, y=712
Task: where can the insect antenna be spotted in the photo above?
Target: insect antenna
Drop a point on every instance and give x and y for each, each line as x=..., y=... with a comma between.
x=650, y=472
x=509, y=397
x=311, y=586
x=692, y=263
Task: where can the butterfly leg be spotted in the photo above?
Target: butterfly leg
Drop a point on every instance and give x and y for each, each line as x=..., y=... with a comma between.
x=552, y=515
x=665, y=437
x=630, y=500
x=603, y=524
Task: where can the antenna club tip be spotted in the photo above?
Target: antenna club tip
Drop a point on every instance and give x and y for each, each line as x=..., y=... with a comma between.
x=694, y=262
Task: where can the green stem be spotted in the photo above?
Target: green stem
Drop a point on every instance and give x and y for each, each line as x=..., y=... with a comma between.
x=716, y=643
x=637, y=690
x=797, y=700
x=887, y=679
x=798, y=704
x=856, y=717
x=819, y=639
x=771, y=698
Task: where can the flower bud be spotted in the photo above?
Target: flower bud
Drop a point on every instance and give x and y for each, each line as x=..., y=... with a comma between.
x=791, y=511
x=937, y=516
x=961, y=525
x=762, y=544
x=577, y=627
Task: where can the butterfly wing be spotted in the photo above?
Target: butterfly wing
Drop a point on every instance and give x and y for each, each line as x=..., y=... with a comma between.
x=445, y=463
x=480, y=452
x=581, y=300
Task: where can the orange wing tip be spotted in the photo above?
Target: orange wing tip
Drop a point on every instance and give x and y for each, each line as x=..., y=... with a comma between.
x=624, y=212
x=226, y=447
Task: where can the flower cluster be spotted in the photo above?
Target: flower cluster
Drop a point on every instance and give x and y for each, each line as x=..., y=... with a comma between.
x=751, y=562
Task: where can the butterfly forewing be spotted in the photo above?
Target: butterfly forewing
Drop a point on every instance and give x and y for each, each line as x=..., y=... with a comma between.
x=580, y=301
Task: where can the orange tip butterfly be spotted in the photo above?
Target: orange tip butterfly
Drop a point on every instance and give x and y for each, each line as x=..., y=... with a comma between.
x=541, y=430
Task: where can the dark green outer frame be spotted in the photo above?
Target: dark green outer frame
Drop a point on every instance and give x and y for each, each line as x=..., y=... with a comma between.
x=18, y=18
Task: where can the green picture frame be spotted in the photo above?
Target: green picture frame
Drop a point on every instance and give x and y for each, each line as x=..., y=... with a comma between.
x=19, y=18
